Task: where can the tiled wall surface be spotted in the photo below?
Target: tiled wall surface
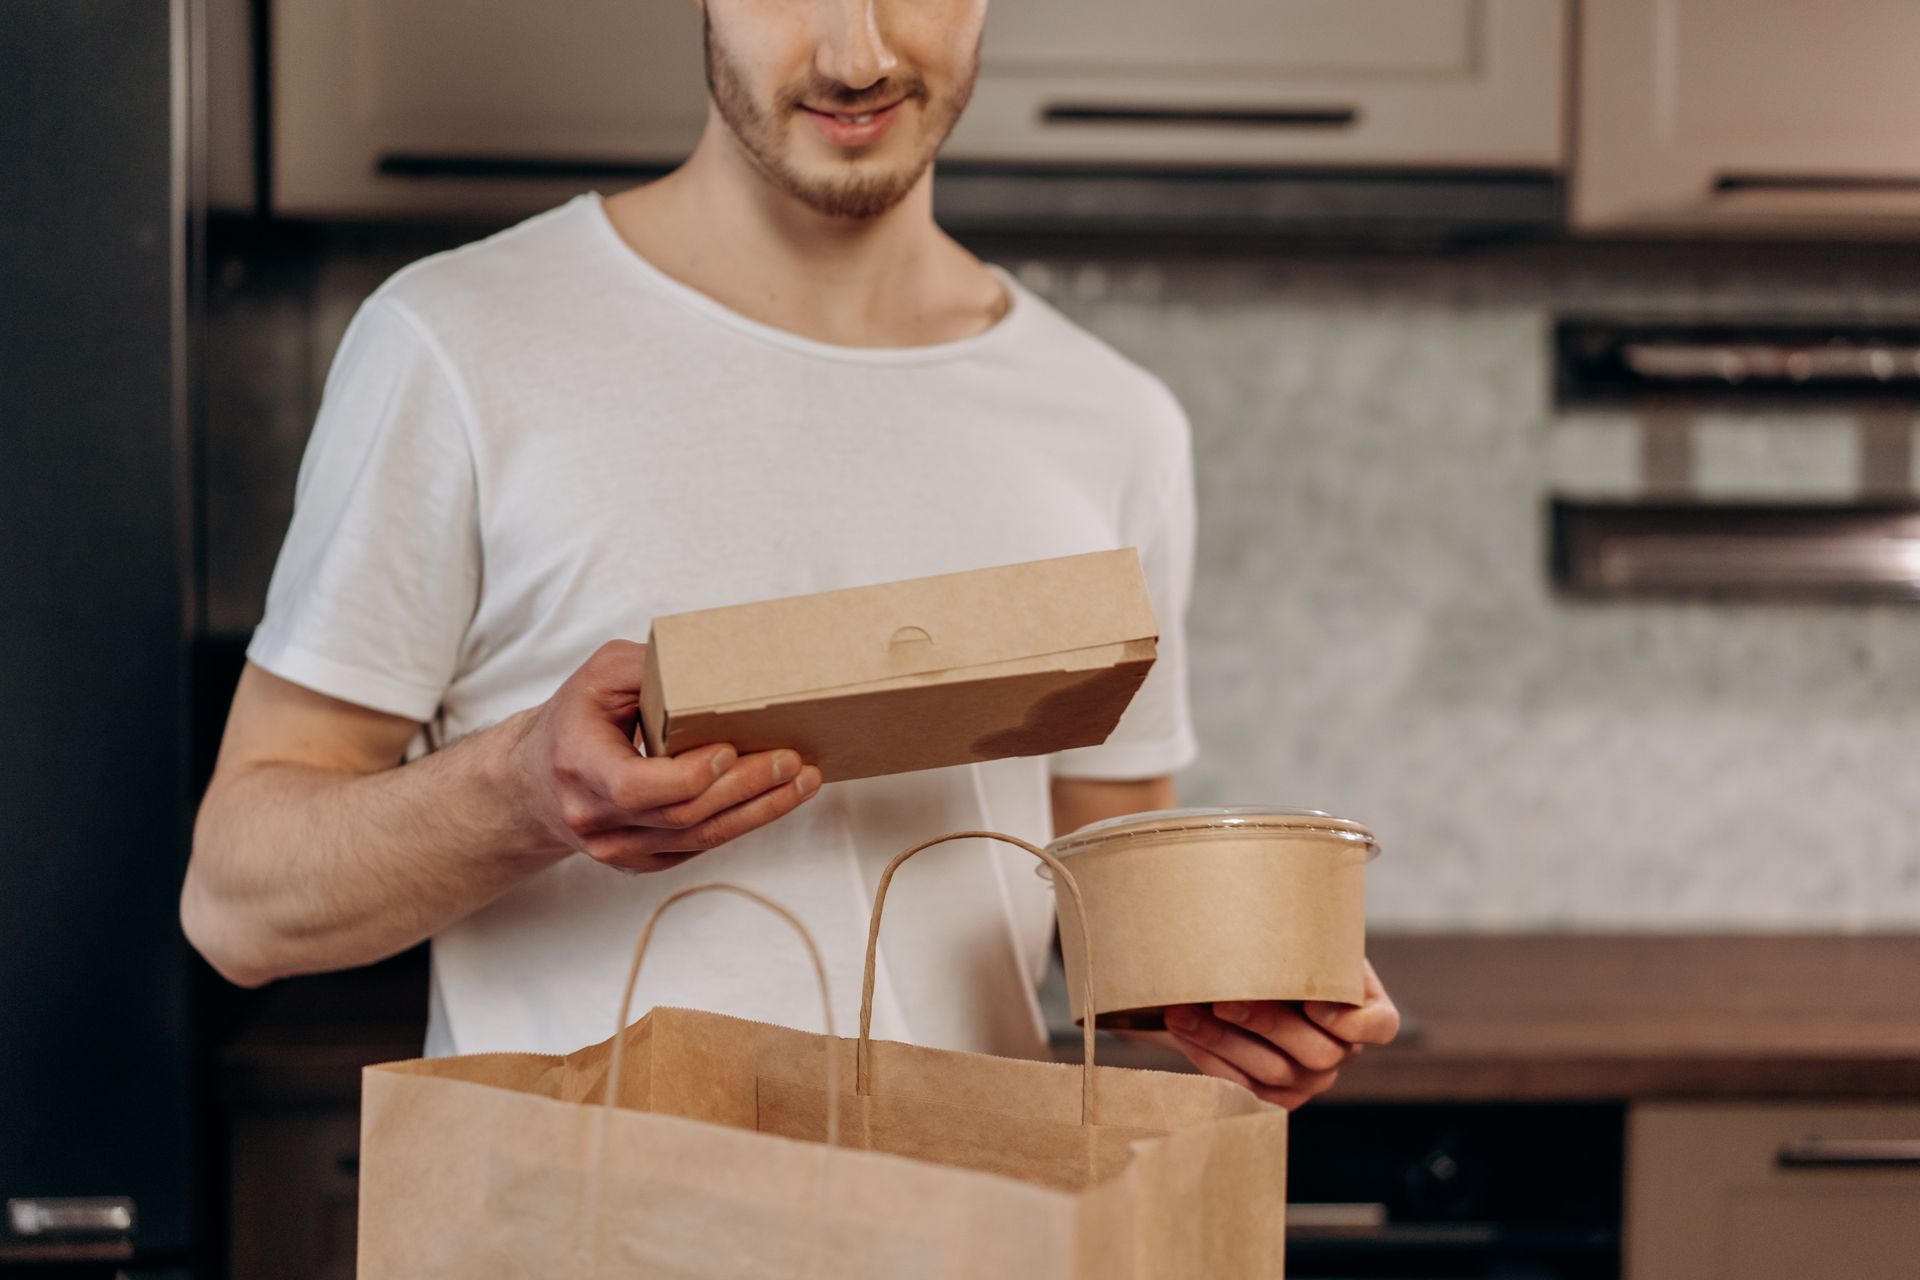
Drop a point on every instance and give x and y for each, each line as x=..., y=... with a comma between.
x=1374, y=630
x=1375, y=634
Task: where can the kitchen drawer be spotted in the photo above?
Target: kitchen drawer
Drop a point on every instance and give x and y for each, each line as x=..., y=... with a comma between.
x=1747, y=118
x=1769, y=1192
x=1383, y=84
x=482, y=109
x=295, y=1193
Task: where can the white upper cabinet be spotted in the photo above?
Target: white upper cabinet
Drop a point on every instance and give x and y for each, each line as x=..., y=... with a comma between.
x=456, y=107
x=1748, y=117
x=1444, y=84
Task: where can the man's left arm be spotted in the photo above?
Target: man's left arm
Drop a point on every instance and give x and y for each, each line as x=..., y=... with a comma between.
x=1285, y=1052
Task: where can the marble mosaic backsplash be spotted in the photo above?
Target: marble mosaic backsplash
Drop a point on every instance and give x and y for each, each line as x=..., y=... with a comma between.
x=1374, y=629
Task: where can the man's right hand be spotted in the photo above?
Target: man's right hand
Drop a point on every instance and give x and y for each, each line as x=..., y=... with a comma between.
x=585, y=786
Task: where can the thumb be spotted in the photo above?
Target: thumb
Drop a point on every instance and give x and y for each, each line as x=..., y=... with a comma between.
x=1327, y=1014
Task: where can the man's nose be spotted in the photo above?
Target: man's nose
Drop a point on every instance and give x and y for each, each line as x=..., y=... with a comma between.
x=852, y=49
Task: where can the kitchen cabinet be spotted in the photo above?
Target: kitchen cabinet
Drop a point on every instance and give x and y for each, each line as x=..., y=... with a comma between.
x=289, y=1084
x=495, y=108
x=295, y=1208
x=1747, y=117
x=1772, y=1192
x=482, y=109
x=1270, y=83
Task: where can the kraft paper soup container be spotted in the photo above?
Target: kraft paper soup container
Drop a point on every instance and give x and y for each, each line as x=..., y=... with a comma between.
x=1190, y=906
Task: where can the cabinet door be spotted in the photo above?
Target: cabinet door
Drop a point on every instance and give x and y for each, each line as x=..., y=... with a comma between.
x=399, y=107
x=1757, y=1192
x=456, y=107
x=1343, y=83
x=294, y=1194
x=1756, y=117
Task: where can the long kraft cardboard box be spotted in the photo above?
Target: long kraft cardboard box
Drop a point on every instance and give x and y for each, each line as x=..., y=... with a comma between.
x=1020, y=660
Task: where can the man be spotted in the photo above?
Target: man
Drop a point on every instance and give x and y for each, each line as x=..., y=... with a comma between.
x=767, y=373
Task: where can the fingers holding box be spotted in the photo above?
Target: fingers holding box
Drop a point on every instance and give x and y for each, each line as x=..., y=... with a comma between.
x=586, y=786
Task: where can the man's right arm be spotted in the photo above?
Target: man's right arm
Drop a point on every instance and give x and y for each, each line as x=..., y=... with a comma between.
x=316, y=849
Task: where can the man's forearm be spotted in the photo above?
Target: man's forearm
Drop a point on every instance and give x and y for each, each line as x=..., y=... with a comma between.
x=298, y=869
x=1078, y=802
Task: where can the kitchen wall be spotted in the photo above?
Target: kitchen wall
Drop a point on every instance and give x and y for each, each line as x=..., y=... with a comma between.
x=1374, y=631
x=1375, y=634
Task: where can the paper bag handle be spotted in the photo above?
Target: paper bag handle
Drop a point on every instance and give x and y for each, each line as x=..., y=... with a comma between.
x=863, y=1049
x=596, y=1182
x=611, y=1094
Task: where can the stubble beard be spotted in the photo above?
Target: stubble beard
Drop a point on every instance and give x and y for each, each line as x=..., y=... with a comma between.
x=761, y=133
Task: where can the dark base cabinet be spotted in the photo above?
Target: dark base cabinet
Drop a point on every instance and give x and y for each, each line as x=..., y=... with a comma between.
x=295, y=1193
x=290, y=1092
x=1460, y=1190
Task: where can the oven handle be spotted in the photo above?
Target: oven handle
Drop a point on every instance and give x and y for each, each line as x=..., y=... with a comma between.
x=1315, y=1216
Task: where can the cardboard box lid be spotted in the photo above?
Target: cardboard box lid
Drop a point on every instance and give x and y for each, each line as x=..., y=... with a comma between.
x=921, y=627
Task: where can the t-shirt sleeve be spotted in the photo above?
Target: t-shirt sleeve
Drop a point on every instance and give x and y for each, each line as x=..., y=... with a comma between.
x=377, y=581
x=1155, y=735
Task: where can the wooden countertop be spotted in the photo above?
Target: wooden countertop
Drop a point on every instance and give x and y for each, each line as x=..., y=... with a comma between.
x=1491, y=1018
x=1598, y=1017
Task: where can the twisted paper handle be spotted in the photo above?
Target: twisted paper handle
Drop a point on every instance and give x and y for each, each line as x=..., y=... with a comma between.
x=863, y=1051
x=610, y=1096
x=863, y=1048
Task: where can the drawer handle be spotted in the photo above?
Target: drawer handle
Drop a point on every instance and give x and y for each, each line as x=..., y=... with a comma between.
x=1334, y=117
x=1850, y=1153
x=409, y=164
x=1725, y=184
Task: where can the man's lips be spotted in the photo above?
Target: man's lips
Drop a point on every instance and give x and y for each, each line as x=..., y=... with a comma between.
x=854, y=128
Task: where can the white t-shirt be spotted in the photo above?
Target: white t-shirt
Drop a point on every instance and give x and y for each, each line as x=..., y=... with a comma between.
x=539, y=442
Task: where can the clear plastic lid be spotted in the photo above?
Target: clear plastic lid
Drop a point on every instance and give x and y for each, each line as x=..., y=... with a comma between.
x=1198, y=822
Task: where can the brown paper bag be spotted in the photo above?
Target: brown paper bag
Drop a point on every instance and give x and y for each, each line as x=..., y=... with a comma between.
x=720, y=1158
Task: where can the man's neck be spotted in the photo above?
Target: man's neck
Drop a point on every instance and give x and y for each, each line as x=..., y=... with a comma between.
x=895, y=280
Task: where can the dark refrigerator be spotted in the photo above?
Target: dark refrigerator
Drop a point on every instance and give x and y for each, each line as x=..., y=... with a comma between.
x=99, y=1121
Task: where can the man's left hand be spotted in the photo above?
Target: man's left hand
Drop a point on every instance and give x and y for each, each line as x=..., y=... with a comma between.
x=1284, y=1052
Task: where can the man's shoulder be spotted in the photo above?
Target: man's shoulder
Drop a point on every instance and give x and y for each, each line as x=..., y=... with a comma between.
x=513, y=274
x=1098, y=369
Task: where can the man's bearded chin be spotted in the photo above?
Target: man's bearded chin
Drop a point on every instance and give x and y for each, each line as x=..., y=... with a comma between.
x=851, y=193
